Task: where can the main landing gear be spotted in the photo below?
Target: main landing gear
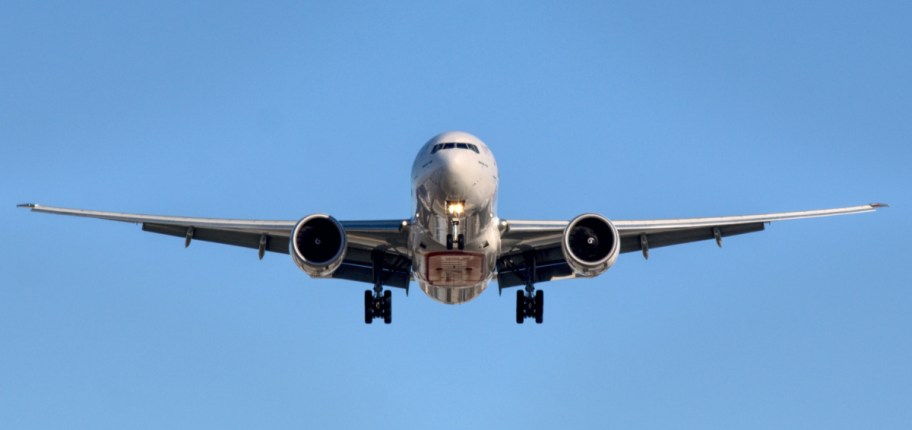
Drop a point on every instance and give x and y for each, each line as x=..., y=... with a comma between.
x=529, y=302
x=378, y=304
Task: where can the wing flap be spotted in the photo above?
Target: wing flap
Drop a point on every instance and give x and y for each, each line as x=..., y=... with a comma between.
x=395, y=270
x=630, y=243
x=274, y=243
x=545, y=264
x=359, y=273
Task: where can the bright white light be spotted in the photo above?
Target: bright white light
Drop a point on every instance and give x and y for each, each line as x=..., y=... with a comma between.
x=455, y=208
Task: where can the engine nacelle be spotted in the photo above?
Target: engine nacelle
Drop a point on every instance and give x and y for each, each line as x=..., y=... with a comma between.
x=318, y=245
x=591, y=244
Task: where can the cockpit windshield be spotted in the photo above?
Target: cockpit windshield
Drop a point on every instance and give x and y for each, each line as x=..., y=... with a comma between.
x=452, y=145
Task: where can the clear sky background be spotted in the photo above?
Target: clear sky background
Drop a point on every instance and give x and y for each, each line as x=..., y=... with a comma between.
x=276, y=110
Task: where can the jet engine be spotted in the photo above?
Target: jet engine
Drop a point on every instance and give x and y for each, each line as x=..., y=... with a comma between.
x=591, y=244
x=318, y=245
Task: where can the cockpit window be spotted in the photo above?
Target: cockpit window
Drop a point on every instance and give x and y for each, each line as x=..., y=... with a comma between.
x=440, y=146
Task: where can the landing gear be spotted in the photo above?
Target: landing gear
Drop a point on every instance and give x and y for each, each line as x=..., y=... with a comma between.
x=530, y=304
x=454, y=236
x=459, y=242
x=520, y=306
x=368, y=306
x=387, y=307
x=378, y=305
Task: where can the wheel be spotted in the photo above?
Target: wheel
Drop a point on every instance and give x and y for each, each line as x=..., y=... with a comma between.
x=539, y=306
x=520, y=305
x=461, y=241
x=449, y=241
x=387, y=306
x=368, y=307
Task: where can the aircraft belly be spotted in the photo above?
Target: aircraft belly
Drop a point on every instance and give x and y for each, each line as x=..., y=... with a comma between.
x=453, y=295
x=451, y=276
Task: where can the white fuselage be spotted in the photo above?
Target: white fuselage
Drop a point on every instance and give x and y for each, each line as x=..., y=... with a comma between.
x=454, y=236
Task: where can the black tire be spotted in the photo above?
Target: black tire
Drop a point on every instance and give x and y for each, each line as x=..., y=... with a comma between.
x=520, y=298
x=539, y=306
x=368, y=307
x=449, y=241
x=461, y=241
x=387, y=307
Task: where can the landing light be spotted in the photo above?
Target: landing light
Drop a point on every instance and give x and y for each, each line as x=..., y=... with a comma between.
x=455, y=208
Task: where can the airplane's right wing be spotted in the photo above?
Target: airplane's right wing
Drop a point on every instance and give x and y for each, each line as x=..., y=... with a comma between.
x=539, y=242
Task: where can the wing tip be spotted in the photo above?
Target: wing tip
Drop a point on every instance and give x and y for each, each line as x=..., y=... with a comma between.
x=879, y=205
x=26, y=205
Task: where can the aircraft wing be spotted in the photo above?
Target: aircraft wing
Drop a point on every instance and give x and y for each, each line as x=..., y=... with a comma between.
x=387, y=239
x=540, y=240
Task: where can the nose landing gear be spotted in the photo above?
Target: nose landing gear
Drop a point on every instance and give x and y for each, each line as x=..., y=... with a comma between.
x=454, y=233
x=459, y=242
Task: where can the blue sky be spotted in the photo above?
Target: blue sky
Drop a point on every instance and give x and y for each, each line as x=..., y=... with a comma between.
x=634, y=110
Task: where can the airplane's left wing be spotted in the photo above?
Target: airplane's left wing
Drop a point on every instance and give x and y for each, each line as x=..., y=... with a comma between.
x=368, y=241
x=539, y=242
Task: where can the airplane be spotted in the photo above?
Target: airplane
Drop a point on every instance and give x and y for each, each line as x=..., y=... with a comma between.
x=454, y=244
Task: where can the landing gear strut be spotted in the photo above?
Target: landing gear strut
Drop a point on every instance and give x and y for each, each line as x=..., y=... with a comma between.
x=455, y=237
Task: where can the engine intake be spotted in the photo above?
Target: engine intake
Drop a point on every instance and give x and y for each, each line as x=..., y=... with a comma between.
x=318, y=245
x=590, y=244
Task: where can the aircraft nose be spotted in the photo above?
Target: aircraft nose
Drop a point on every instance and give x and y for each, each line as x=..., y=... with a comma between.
x=454, y=161
x=458, y=174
